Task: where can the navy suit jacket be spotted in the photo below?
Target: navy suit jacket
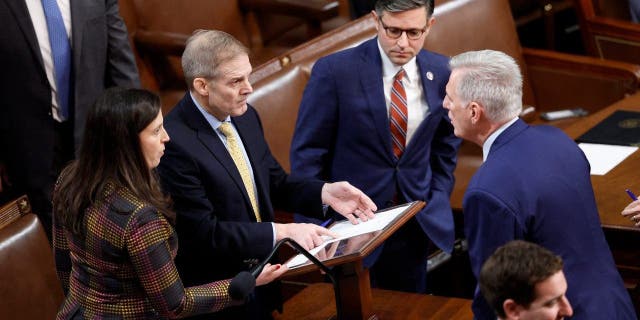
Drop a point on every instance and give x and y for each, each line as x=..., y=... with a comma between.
x=535, y=186
x=342, y=133
x=215, y=223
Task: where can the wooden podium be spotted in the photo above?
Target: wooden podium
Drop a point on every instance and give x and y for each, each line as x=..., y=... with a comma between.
x=353, y=288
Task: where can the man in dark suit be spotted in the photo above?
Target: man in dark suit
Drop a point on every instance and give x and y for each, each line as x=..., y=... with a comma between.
x=224, y=180
x=534, y=185
x=36, y=137
x=344, y=132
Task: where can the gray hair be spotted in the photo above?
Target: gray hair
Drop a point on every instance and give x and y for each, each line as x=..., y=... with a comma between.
x=206, y=50
x=491, y=78
x=383, y=6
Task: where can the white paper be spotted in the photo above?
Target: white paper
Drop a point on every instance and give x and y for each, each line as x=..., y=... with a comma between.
x=604, y=157
x=347, y=230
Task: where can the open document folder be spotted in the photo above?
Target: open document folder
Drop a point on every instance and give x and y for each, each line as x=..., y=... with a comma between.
x=347, y=230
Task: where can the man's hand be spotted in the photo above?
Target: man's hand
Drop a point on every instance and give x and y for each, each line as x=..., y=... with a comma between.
x=308, y=235
x=4, y=177
x=270, y=273
x=348, y=201
x=632, y=211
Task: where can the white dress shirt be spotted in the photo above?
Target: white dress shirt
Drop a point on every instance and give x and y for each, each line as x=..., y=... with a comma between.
x=417, y=106
x=486, y=146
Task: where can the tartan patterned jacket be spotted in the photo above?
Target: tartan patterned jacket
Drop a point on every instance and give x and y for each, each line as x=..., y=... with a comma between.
x=124, y=267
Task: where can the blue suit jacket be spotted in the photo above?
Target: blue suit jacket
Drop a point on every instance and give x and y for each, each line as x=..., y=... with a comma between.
x=535, y=186
x=215, y=223
x=342, y=133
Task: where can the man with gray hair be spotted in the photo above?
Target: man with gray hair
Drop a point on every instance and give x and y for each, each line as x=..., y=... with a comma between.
x=225, y=182
x=534, y=185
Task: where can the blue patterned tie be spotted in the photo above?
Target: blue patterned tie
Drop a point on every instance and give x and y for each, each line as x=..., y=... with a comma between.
x=61, y=52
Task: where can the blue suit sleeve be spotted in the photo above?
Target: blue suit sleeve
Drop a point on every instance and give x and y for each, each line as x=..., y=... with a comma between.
x=315, y=130
x=444, y=148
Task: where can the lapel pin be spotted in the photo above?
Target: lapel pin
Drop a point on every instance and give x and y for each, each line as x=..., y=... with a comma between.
x=429, y=75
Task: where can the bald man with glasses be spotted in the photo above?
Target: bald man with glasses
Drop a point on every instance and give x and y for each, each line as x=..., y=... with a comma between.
x=373, y=115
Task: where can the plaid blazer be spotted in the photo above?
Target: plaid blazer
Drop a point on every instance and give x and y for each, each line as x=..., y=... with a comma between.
x=124, y=268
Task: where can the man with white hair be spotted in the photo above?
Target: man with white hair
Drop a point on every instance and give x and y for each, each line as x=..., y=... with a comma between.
x=534, y=185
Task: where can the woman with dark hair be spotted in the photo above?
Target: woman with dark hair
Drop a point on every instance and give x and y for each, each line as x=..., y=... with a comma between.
x=113, y=237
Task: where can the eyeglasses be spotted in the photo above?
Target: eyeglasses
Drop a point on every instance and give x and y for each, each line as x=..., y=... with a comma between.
x=395, y=33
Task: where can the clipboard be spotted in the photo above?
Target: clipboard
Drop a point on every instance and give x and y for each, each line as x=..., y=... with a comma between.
x=356, y=247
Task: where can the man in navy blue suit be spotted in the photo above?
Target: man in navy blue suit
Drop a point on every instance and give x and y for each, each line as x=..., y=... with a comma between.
x=225, y=182
x=534, y=185
x=344, y=131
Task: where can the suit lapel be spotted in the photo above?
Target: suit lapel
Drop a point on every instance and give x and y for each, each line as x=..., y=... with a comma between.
x=371, y=81
x=429, y=84
x=210, y=140
x=431, y=95
x=19, y=10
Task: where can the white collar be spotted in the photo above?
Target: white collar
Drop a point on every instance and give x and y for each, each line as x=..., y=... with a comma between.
x=486, y=146
x=389, y=69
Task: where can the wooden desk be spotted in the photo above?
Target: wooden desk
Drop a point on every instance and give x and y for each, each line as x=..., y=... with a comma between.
x=621, y=234
x=317, y=302
x=609, y=188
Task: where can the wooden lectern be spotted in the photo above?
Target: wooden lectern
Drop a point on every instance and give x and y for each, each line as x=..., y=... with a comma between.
x=352, y=285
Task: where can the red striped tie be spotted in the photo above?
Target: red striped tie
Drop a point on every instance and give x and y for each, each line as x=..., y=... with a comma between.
x=398, y=114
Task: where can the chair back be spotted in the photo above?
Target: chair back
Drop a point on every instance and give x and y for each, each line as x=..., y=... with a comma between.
x=607, y=30
x=29, y=286
x=14, y=210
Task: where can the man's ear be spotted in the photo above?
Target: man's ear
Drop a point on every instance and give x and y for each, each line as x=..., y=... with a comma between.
x=476, y=111
x=374, y=16
x=430, y=22
x=200, y=86
x=512, y=310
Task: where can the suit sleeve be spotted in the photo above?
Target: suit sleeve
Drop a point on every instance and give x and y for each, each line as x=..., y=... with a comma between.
x=121, y=68
x=443, y=158
x=61, y=255
x=489, y=223
x=315, y=132
x=61, y=251
x=444, y=148
x=149, y=250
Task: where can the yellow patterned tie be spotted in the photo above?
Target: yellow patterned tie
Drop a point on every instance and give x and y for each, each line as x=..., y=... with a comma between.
x=238, y=159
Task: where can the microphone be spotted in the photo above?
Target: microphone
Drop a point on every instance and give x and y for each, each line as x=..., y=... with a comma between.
x=241, y=285
x=329, y=272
